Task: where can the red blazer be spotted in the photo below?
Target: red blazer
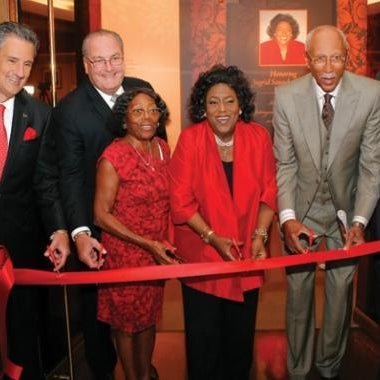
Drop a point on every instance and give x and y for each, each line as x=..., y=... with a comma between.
x=198, y=183
x=270, y=53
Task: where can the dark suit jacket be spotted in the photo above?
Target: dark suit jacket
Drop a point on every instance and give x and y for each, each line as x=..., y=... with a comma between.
x=81, y=121
x=26, y=175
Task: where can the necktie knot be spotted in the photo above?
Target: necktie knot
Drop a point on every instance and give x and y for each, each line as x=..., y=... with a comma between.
x=327, y=111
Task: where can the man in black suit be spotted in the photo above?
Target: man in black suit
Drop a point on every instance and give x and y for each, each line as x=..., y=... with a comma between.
x=27, y=180
x=81, y=121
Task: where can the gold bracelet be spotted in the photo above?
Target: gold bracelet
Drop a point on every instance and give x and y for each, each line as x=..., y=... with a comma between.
x=261, y=233
x=205, y=236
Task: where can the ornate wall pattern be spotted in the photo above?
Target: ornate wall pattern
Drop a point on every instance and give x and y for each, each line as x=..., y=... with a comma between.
x=352, y=19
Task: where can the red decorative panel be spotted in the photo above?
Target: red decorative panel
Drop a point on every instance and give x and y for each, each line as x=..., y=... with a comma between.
x=352, y=19
x=208, y=34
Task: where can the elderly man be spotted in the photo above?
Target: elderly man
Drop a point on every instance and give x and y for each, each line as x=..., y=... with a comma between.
x=82, y=121
x=327, y=147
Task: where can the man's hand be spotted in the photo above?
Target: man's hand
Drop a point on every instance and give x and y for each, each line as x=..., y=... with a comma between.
x=293, y=229
x=355, y=236
x=59, y=249
x=90, y=251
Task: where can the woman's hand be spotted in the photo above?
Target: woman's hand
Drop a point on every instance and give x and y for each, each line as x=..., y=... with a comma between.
x=228, y=249
x=258, y=251
x=162, y=252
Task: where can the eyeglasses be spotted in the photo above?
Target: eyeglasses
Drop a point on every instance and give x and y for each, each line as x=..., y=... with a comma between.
x=138, y=112
x=99, y=63
x=321, y=60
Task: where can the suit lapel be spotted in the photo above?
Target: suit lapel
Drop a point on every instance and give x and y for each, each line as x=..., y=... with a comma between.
x=307, y=112
x=21, y=119
x=99, y=106
x=345, y=107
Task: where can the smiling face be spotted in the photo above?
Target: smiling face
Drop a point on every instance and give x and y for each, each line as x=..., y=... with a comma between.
x=16, y=60
x=109, y=76
x=283, y=33
x=327, y=43
x=222, y=110
x=142, y=118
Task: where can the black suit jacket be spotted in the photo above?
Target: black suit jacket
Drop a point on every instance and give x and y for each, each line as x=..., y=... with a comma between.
x=26, y=176
x=81, y=124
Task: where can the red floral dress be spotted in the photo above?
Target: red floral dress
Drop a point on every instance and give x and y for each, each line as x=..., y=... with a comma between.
x=142, y=204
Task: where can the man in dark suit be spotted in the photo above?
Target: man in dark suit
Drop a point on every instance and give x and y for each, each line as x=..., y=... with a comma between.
x=27, y=180
x=327, y=147
x=81, y=121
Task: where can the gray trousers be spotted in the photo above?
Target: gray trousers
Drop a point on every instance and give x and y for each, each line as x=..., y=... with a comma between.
x=300, y=309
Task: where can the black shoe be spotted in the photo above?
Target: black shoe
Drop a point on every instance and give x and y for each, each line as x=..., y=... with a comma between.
x=153, y=373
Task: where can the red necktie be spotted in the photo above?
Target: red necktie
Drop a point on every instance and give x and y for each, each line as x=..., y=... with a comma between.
x=3, y=140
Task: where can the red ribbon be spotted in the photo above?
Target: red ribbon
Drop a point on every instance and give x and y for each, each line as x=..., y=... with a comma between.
x=163, y=272
x=12, y=370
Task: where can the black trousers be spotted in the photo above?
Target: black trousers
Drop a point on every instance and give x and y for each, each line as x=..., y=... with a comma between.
x=219, y=335
x=100, y=352
x=23, y=329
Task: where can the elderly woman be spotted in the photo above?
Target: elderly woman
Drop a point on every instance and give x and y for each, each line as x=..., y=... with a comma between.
x=132, y=209
x=223, y=196
x=282, y=48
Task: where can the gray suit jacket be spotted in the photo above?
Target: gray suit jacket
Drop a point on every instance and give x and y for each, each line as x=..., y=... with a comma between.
x=354, y=156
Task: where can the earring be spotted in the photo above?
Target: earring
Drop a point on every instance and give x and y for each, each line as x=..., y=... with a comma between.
x=204, y=115
x=124, y=126
x=240, y=112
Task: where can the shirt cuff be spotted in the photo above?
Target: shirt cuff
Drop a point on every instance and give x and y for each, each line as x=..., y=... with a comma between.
x=287, y=214
x=360, y=219
x=80, y=229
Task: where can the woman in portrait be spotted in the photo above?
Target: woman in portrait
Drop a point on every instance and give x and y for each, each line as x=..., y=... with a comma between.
x=132, y=209
x=282, y=48
x=223, y=196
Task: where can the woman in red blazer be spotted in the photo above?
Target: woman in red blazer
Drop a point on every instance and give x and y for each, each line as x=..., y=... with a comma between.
x=223, y=196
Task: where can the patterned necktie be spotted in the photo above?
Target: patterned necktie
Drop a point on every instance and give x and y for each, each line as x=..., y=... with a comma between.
x=327, y=111
x=3, y=140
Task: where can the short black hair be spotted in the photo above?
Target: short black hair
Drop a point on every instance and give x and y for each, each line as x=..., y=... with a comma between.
x=117, y=124
x=233, y=77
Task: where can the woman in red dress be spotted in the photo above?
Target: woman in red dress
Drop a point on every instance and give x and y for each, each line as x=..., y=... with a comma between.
x=132, y=208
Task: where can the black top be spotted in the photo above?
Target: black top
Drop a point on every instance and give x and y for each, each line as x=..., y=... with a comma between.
x=228, y=169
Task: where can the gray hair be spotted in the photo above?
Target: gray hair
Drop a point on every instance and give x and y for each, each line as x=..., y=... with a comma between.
x=21, y=31
x=98, y=33
x=319, y=28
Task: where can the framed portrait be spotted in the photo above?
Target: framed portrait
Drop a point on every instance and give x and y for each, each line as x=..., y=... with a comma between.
x=282, y=34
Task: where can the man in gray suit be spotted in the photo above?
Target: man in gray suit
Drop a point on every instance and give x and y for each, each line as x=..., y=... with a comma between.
x=328, y=159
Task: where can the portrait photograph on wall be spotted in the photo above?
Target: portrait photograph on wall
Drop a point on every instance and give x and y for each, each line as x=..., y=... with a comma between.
x=282, y=35
x=247, y=39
